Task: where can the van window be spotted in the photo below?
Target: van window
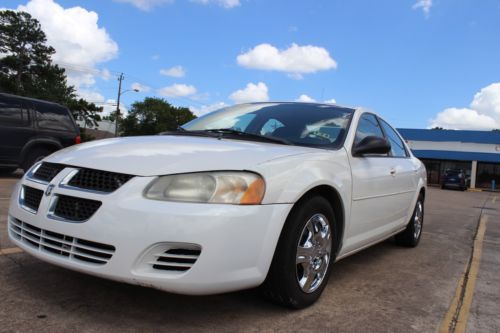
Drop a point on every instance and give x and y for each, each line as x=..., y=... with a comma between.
x=12, y=113
x=53, y=117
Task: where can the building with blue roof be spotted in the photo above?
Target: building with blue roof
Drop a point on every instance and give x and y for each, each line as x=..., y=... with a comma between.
x=477, y=153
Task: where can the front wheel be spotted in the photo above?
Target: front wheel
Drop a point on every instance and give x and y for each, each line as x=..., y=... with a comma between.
x=305, y=253
x=410, y=237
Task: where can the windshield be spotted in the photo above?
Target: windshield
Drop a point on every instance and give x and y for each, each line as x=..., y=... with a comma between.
x=299, y=123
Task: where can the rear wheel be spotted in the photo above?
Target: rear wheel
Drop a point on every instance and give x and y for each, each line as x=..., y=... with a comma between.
x=35, y=155
x=304, y=255
x=410, y=237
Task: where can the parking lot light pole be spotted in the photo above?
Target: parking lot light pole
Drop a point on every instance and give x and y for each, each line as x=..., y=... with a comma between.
x=120, y=93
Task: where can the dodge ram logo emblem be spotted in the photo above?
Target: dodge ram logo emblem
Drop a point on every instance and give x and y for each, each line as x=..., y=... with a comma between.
x=49, y=189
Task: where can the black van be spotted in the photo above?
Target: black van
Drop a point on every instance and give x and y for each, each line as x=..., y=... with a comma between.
x=31, y=129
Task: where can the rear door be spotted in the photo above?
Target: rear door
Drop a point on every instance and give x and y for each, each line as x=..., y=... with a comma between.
x=55, y=122
x=15, y=129
x=404, y=170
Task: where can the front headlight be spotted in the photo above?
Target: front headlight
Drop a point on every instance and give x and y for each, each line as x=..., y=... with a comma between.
x=239, y=188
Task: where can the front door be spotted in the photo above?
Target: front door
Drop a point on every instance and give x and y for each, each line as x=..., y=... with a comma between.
x=378, y=205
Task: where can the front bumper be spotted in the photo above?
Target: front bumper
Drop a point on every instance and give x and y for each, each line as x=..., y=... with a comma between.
x=237, y=242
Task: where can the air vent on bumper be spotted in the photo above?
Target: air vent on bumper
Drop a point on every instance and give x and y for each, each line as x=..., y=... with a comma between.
x=176, y=259
x=63, y=246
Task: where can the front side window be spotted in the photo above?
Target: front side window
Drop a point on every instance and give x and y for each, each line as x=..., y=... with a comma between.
x=367, y=126
x=300, y=124
x=397, y=145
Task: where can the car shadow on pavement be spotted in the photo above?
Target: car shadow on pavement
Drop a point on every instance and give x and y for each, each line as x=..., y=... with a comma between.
x=58, y=294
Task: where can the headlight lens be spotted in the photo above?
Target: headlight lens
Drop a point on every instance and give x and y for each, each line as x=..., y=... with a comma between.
x=239, y=188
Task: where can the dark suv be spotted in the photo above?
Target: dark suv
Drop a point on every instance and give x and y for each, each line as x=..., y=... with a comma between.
x=454, y=179
x=31, y=129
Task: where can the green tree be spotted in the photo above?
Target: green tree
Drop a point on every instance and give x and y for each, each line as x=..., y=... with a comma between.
x=26, y=66
x=152, y=116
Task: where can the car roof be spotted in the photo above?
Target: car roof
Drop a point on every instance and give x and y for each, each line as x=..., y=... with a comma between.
x=303, y=103
x=31, y=99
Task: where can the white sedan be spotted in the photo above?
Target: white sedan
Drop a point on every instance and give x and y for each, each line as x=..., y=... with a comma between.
x=268, y=194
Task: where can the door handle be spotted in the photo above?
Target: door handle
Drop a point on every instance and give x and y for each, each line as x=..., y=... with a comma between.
x=393, y=172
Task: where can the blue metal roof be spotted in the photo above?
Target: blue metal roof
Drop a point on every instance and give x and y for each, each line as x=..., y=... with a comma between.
x=457, y=155
x=488, y=137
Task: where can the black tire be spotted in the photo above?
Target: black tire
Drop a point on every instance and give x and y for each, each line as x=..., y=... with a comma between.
x=282, y=283
x=35, y=155
x=409, y=236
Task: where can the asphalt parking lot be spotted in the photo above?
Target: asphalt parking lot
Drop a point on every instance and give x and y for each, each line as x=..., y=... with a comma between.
x=450, y=280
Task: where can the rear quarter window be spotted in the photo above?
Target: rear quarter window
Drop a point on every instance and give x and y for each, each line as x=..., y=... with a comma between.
x=53, y=117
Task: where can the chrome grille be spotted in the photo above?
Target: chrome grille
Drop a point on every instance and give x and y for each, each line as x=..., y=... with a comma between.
x=176, y=259
x=97, y=180
x=31, y=197
x=71, y=248
x=47, y=171
x=75, y=209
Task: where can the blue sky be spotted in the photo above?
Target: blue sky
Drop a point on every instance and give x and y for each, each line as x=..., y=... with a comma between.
x=416, y=62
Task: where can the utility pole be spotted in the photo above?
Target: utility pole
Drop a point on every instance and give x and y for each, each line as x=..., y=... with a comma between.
x=120, y=79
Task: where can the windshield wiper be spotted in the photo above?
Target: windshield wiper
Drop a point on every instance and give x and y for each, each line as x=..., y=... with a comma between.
x=256, y=137
x=181, y=131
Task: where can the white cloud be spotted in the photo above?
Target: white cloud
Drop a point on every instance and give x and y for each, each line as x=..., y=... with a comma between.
x=204, y=109
x=330, y=101
x=228, y=4
x=176, y=71
x=487, y=100
x=105, y=74
x=306, y=99
x=79, y=42
x=425, y=5
x=251, y=93
x=177, y=90
x=140, y=87
x=146, y=4
x=295, y=60
x=91, y=96
x=482, y=114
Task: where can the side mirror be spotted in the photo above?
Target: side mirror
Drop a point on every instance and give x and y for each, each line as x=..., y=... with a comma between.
x=372, y=145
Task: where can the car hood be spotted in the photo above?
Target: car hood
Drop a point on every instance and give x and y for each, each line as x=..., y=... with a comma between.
x=160, y=155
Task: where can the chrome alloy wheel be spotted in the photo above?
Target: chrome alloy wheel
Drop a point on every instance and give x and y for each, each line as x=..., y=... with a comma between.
x=418, y=219
x=313, y=253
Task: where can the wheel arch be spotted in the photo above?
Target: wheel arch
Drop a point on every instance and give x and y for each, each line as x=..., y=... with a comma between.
x=38, y=143
x=334, y=198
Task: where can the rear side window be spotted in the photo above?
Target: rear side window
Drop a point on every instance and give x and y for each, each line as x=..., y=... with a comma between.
x=12, y=113
x=397, y=145
x=368, y=126
x=53, y=117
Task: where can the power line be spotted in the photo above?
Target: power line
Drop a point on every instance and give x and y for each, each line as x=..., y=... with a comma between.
x=95, y=71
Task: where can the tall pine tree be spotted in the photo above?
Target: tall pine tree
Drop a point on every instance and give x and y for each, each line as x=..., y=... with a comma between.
x=26, y=66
